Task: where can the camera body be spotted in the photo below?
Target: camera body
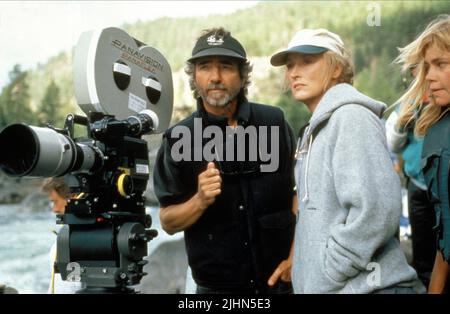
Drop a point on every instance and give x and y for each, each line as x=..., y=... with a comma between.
x=104, y=237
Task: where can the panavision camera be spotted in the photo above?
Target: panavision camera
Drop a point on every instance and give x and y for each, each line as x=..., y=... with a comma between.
x=125, y=88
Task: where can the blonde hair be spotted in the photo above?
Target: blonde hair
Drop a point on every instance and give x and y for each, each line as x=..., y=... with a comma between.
x=413, y=55
x=344, y=62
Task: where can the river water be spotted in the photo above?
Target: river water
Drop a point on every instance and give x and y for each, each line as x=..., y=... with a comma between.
x=25, y=241
x=26, y=238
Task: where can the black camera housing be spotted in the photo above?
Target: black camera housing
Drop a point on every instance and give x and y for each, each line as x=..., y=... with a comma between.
x=105, y=233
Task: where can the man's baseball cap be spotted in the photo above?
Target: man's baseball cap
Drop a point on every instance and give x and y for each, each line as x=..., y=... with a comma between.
x=216, y=45
x=310, y=41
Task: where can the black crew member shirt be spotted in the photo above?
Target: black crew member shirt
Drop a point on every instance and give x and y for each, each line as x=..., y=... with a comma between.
x=242, y=237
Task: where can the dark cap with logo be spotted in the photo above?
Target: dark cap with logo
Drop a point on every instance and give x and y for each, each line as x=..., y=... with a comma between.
x=217, y=45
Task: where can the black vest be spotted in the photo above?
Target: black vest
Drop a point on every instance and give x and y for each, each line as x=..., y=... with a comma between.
x=242, y=237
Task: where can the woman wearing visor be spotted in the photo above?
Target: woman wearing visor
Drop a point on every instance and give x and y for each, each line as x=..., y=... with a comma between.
x=349, y=195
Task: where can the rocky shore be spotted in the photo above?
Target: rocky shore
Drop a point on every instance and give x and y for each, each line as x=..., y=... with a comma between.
x=166, y=269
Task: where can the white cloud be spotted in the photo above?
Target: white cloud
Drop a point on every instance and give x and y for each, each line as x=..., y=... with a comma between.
x=33, y=31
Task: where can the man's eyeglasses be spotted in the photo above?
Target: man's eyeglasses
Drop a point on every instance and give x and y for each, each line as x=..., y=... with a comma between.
x=236, y=168
x=240, y=168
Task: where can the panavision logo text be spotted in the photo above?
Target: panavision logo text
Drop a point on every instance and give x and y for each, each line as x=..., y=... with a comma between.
x=137, y=54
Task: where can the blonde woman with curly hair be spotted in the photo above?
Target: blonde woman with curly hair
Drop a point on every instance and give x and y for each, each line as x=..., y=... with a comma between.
x=431, y=53
x=432, y=45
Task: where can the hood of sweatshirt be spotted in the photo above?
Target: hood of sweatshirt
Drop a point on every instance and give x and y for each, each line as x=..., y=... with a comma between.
x=337, y=96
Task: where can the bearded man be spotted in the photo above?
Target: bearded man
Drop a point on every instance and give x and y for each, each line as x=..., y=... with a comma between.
x=238, y=220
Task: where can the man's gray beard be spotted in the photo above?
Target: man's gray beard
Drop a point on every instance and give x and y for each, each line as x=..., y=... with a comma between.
x=221, y=102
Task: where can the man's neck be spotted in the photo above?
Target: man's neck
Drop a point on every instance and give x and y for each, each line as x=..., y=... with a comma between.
x=225, y=111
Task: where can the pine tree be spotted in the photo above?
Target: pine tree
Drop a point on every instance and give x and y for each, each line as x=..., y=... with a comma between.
x=3, y=121
x=296, y=113
x=15, y=99
x=49, y=110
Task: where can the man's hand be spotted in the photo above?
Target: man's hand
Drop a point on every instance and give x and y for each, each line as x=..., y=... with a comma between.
x=209, y=185
x=283, y=271
x=439, y=275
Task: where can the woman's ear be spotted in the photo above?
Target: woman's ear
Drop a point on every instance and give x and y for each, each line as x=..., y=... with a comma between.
x=336, y=73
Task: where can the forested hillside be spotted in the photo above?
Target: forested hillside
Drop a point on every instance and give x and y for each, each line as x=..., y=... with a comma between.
x=46, y=92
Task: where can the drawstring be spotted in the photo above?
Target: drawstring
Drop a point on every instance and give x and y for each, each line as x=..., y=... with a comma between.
x=306, y=196
x=297, y=150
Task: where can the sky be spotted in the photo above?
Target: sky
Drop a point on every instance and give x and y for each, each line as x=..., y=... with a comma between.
x=33, y=31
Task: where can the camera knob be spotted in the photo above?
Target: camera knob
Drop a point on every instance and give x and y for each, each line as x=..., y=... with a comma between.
x=151, y=233
x=124, y=185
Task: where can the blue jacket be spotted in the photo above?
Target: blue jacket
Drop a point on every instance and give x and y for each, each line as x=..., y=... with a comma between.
x=436, y=167
x=410, y=147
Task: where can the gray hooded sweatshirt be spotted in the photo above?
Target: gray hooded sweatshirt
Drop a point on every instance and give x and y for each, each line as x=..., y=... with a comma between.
x=349, y=201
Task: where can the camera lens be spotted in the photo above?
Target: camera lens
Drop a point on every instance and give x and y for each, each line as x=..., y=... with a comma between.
x=41, y=152
x=19, y=150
